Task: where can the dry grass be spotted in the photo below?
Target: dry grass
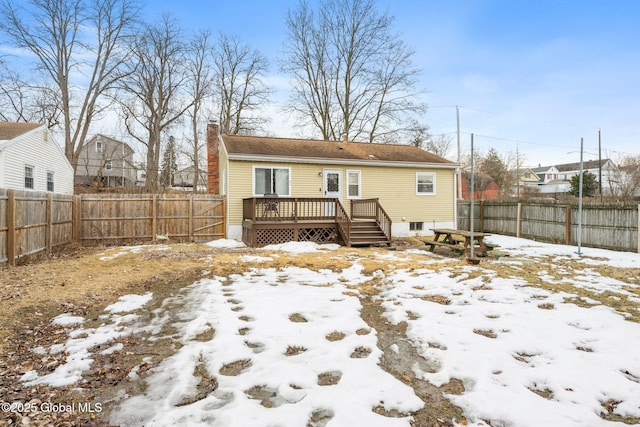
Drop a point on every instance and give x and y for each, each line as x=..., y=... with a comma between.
x=335, y=336
x=80, y=283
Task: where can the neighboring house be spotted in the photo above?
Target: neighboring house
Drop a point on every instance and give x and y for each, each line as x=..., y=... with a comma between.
x=484, y=187
x=30, y=159
x=272, y=185
x=557, y=179
x=184, y=178
x=526, y=182
x=605, y=168
x=555, y=186
x=527, y=177
x=105, y=161
x=546, y=173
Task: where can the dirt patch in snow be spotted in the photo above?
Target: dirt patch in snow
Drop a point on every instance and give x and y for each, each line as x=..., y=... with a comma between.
x=399, y=359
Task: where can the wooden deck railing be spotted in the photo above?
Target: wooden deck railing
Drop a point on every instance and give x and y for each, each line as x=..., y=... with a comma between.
x=344, y=223
x=371, y=209
x=288, y=209
x=298, y=209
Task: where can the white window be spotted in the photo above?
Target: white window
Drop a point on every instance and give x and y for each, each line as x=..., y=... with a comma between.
x=28, y=177
x=271, y=181
x=98, y=146
x=354, y=185
x=108, y=165
x=425, y=183
x=50, y=186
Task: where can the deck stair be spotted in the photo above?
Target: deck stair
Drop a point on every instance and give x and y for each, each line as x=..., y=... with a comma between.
x=367, y=233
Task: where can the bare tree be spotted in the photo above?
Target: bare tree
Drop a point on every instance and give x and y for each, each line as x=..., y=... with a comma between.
x=624, y=180
x=240, y=91
x=501, y=169
x=153, y=97
x=200, y=90
x=78, y=46
x=440, y=145
x=352, y=75
x=26, y=101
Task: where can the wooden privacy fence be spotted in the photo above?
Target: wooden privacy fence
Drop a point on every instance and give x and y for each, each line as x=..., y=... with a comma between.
x=33, y=222
x=607, y=226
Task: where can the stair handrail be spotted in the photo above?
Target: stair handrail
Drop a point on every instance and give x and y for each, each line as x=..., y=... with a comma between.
x=372, y=209
x=343, y=223
x=384, y=220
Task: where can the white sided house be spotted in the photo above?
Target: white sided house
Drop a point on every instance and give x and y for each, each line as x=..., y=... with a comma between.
x=30, y=159
x=283, y=189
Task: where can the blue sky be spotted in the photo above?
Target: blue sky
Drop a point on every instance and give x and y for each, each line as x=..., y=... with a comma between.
x=538, y=75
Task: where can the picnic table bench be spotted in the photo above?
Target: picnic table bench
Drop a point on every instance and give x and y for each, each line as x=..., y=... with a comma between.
x=459, y=241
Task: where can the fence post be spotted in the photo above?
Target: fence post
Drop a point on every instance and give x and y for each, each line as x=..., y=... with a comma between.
x=567, y=225
x=191, y=217
x=519, y=220
x=154, y=217
x=224, y=216
x=11, y=225
x=482, y=216
x=49, y=227
x=77, y=218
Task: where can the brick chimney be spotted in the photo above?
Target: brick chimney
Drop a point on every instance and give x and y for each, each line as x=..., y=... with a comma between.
x=213, y=159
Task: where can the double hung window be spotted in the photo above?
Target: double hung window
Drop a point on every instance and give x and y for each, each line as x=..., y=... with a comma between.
x=28, y=177
x=271, y=181
x=425, y=183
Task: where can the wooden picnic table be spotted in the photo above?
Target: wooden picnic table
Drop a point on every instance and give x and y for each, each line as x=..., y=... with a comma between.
x=459, y=241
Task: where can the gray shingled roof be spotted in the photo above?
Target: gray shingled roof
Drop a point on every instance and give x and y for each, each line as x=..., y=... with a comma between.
x=590, y=164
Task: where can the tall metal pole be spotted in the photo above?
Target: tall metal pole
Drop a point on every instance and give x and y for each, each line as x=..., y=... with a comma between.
x=580, y=200
x=471, y=214
x=517, y=170
x=600, y=162
x=459, y=177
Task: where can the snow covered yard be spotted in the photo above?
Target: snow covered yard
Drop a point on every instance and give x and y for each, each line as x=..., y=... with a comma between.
x=540, y=337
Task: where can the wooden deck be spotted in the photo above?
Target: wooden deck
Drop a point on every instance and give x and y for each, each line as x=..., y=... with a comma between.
x=274, y=220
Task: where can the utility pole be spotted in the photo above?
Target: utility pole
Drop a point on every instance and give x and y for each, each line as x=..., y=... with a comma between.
x=600, y=162
x=580, y=200
x=517, y=170
x=459, y=177
x=472, y=210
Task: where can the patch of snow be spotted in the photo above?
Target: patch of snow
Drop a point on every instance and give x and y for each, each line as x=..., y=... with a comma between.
x=129, y=303
x=124, y=250
x=302, y=247
x=114, y=348
x=589, y=256
x=82, y=340
x=39, y=350
x=254, y=258
x=226, y=243
x=66, y=319
x=512, y=344
x=292, y=360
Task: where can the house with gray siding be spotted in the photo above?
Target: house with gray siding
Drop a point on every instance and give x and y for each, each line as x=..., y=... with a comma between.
x=105, y=161
x=30, y=159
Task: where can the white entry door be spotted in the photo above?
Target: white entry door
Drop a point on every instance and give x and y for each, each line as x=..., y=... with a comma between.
x=332, y=188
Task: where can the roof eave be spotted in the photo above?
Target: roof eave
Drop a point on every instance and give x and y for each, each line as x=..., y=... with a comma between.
x=354, y=162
